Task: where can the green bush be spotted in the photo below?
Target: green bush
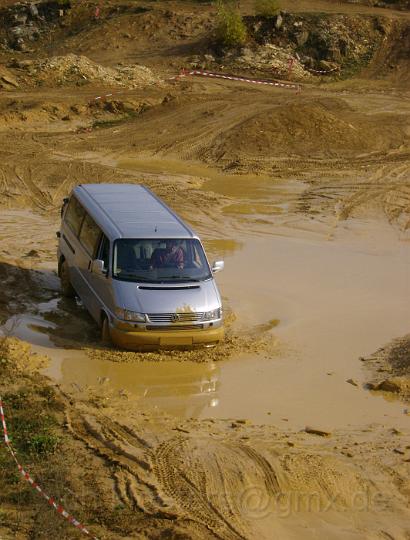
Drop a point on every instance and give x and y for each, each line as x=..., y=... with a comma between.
x=267, y=8
x=231, y=30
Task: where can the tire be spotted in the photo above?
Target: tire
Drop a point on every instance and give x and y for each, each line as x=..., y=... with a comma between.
x=105, y=331
x=66, y=288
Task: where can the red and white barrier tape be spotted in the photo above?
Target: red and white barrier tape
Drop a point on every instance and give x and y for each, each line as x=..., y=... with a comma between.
x=203, y=73
x=35, y=486
x=322, y=71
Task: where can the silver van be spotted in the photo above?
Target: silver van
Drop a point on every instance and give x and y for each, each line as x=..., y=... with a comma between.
x=140, y=271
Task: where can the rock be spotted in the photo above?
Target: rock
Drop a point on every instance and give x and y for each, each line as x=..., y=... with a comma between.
x=33, y=10
x=32, y=253
x=395, y=385
x=209, y=58
x=396, y=431
x=278, y=22
x=352, y=382
x=398, y=451
x=7, y=79
x=326, y=65
x=19, y=45
x=302, y=38
x=316, y=431
x=22, y=64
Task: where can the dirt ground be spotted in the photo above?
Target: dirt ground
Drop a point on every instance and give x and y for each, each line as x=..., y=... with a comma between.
x=261, y=173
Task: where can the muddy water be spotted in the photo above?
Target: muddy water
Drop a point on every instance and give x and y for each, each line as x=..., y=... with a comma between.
x=339, y=290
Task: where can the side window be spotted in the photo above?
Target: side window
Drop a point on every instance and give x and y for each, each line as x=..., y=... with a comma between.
x=104, y=251
x=74, y=215
x=89, y=235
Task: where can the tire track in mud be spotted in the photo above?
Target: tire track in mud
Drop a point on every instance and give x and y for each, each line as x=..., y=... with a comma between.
x=385, y=184
x=186, y=482
x=131, y=456
x=209, y=481
x=191, y=477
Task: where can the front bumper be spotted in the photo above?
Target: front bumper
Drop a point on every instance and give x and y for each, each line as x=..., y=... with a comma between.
x=139, y=338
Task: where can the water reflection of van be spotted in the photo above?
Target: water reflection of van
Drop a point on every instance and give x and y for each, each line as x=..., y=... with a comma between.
x=139, y=270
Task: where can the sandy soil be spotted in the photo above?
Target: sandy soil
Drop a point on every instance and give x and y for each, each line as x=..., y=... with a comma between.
x=308, y=193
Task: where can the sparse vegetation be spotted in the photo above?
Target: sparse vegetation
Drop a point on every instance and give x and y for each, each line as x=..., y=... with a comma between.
x=267, y=8
x=231, y=29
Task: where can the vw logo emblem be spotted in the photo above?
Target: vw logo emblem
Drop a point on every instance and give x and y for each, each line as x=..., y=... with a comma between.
x=175, y=317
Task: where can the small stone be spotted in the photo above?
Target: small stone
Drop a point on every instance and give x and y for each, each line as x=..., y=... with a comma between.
x=32, y=253
x=352, y=382
x=33, y=10
x=398, y=451
x=290, y=443
x=278, y=22
x=326, y=65
x=316, y=431
x=302, y=38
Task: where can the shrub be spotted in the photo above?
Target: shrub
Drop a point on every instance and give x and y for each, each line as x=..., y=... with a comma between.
x=231, y=30
x=267, y=8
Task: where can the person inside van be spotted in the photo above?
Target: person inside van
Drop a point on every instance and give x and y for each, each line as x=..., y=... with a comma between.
x=170, y=256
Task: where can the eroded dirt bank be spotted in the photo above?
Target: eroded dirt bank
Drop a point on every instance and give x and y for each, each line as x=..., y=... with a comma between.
x=307, y=197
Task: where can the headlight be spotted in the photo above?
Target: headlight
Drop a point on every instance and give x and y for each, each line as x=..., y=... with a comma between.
x=212, y=315
x=128, y=315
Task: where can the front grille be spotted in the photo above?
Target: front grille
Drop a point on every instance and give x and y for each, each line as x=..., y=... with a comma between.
x=175, y=317
x=174, y=327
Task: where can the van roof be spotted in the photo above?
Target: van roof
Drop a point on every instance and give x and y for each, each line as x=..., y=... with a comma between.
x=131, y=211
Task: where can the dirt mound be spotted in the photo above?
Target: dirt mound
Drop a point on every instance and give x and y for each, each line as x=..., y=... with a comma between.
x=391, y=367
x=73, y=69
x=16, y=357
x=322, y=128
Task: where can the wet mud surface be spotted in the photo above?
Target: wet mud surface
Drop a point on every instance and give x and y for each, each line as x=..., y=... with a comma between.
x=296, y=426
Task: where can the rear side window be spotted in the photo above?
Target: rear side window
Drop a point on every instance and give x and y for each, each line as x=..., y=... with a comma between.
x=90, y=235
x=74, y=215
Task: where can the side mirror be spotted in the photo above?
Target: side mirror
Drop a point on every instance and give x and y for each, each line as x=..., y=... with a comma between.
x=65, y=201
x=217, y=266
x=97, y=267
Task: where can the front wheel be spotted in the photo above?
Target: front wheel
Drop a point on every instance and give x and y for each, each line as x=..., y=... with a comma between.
x=66, y=288
x=105, y=331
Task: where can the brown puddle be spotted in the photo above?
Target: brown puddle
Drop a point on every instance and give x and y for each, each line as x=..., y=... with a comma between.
x=329, y=290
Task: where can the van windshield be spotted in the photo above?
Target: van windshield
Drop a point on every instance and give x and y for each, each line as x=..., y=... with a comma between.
x=160, y=260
